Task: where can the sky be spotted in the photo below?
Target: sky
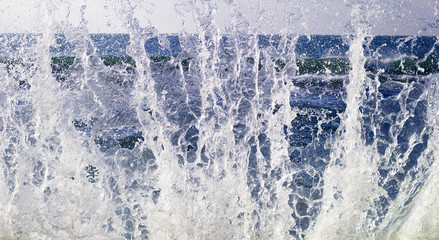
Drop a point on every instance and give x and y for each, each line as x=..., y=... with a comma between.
x=385, y=17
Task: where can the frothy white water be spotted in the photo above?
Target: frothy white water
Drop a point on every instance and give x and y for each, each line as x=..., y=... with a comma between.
x=351, y=183
x=200, y=146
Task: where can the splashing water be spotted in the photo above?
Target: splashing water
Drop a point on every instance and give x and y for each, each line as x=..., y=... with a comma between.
x=217, y=135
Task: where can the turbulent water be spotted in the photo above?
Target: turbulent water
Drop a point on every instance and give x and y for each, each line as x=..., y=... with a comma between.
x=218, y=135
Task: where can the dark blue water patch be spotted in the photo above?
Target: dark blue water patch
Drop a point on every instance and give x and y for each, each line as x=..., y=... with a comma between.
x=82, y=126
x=311, y=128
x=303, y=130
x=319, y=81
x=115, y=45
x=126, y=137
x=390, y=88
x=269, y=40
x=303, y=179
x=131, y=141
x=318, y=46
x=38, y=173
x=110, y=44
x=191, y=145
x=92, y=173
x=15, y=44
x=317, y=98
x=374, y=64
x=395, y=46
x=311, y=46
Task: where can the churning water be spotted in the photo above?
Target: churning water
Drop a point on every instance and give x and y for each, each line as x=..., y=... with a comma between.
x=218, y=135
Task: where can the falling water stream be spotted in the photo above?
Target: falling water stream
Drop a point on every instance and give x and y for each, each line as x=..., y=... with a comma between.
x=217, y=135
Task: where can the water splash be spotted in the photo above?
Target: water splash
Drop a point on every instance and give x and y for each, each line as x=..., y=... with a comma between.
x=227, y=136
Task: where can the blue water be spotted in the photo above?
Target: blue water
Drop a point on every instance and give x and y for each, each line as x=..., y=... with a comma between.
x=312, y=46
